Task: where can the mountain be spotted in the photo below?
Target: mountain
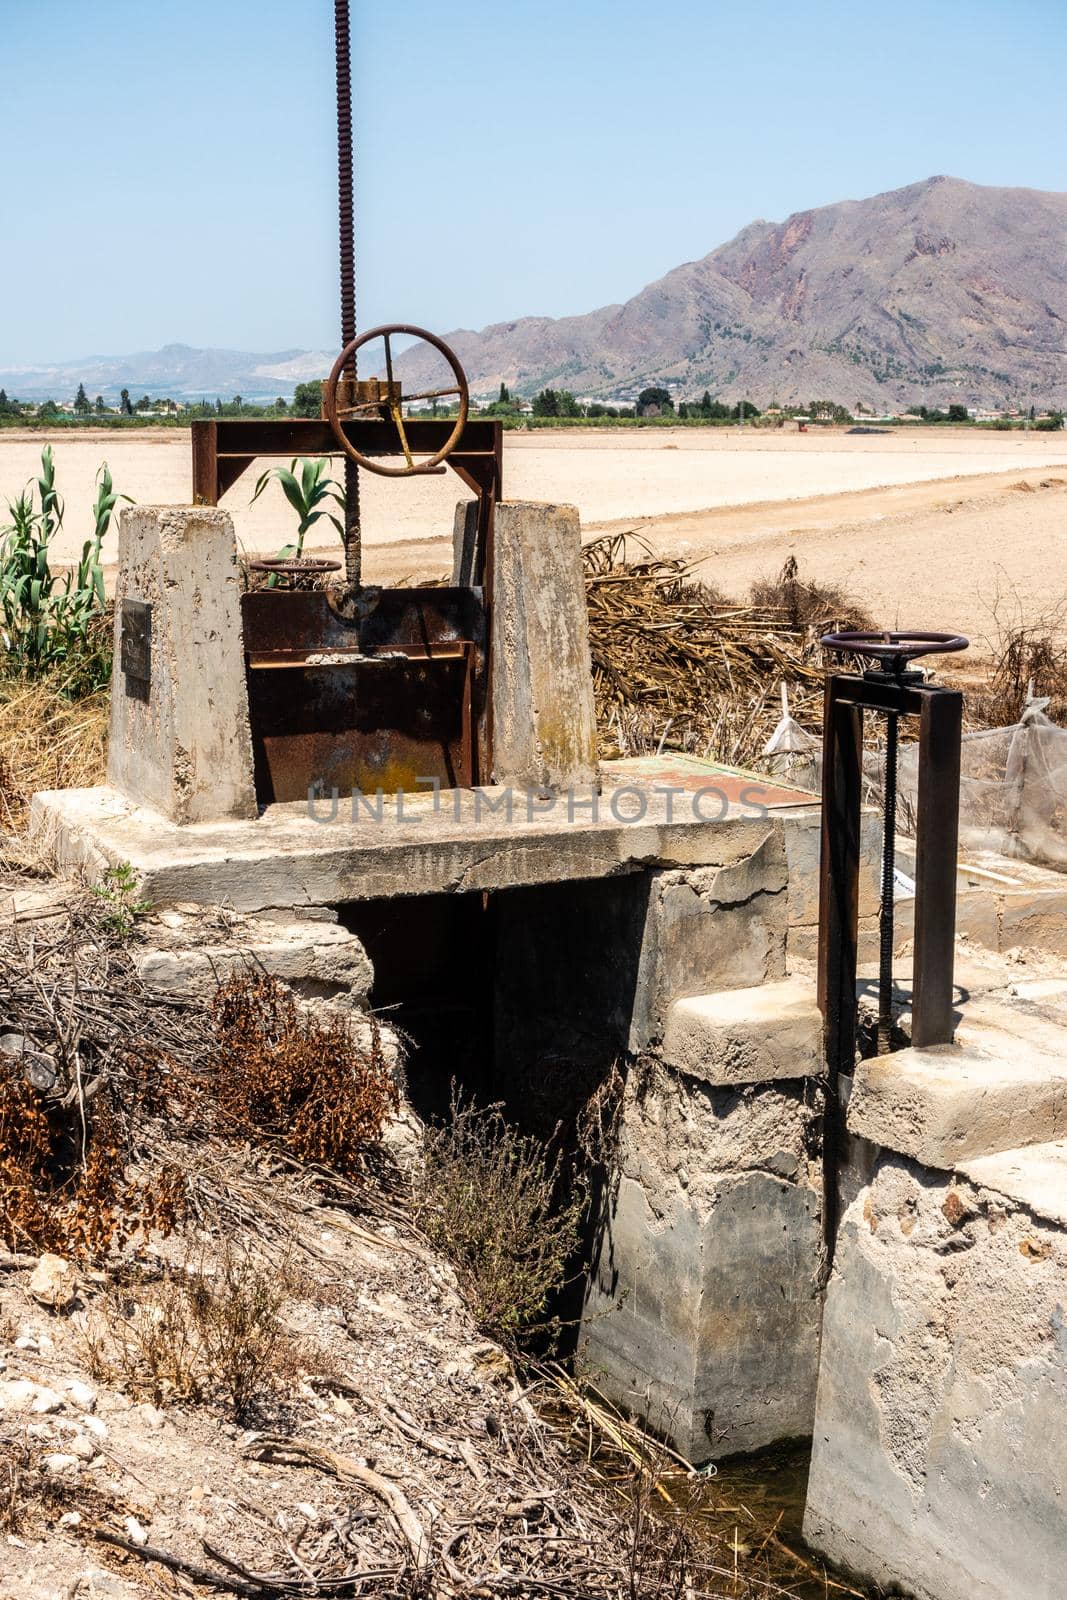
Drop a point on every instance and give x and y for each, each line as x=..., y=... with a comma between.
x=941, y=291
x=178, y=371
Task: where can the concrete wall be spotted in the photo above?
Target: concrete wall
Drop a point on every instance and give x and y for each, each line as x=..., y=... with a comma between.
x=702, y=1310
x=940, y=1455
x=180, y=742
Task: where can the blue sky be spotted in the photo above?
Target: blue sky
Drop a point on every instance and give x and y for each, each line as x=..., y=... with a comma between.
x=167, y=170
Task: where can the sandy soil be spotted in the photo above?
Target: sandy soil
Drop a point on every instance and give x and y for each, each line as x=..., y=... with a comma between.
x=870, y=511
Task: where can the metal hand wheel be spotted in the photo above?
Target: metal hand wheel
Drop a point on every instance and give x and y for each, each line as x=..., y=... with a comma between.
x=394, y=402
x=893, y=651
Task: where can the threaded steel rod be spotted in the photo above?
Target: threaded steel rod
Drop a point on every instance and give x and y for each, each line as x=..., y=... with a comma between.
x=885, y=912
x=346, y=228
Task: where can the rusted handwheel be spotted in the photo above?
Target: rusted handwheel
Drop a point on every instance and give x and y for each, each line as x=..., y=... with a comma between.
x=411, y=468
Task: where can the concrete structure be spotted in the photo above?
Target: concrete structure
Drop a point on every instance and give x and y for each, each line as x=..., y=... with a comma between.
x=940, y=1462
x=180, y=740
x=543, y=718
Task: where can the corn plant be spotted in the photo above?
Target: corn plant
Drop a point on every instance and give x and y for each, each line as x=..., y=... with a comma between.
x=48, y=617
x=309, y=495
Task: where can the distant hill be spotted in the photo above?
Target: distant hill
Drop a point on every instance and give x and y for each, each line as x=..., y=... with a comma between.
x=178, y=371
x=941, y=291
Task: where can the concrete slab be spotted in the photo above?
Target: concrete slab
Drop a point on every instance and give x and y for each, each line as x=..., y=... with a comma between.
x=754, y=1035
x=955, y=1103
x=1035, y=1178
x=342, y=849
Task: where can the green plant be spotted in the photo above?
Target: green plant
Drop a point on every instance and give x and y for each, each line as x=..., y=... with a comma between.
x=118, y=895
x=488, y=1197
x=50, y=619
x=309, y=495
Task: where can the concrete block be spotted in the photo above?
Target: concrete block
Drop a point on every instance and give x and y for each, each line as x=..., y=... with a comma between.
x=180, y=741
x=711, y=928
x=191, y=952
x=803, y=835
x=701, y=1312
x=543, y=718
x=952, y=1103
x=939, y=1464
x=419, y=844
x=746, y=1035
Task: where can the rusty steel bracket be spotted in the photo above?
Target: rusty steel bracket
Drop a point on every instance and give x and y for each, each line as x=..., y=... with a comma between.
x=940, y=715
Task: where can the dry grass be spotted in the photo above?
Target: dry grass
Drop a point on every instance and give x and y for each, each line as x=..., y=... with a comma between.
x=676, y=665
x=47, y=741
x=208, y=1331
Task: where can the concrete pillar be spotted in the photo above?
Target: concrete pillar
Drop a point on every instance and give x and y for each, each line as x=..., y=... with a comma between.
x=940, y=1454
x=702, y=1308
x=180, y=740
x=543, y=718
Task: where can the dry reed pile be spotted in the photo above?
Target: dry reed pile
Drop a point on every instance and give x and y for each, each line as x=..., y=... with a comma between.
x=47, y=741
x=677, y=665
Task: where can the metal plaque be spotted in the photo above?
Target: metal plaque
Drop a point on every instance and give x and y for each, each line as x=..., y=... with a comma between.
x=135, y=647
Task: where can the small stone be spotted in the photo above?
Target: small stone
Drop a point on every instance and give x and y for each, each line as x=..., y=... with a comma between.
x=20, y=1394
x=135, y=1531
x=80, y=1393
x=94, y=1426
x=81, y=1446
x=46, y=1400
x=152, y=1416
x=53, y=1283
x=26, y=1341
x=70, y=1519
x=341, y=1406
x=61, y=1465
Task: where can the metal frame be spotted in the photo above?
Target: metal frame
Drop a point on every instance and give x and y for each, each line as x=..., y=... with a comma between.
x=940, y=713
x=451, y=621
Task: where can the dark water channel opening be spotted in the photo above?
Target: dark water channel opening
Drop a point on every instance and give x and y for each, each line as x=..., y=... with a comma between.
x=524, y=997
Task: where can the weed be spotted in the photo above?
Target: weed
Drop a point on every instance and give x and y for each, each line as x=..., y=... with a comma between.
x=316, y=1088
x=487, y=1197
x=805, y=603
x=120, y=906
x=200, y=1333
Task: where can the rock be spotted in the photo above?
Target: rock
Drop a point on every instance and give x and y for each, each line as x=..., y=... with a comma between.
x=61, y=1466
x=81, y=1447
x=54, y=1282
x=38, y=1069
x=81, y=1394
x=135, y=1531
x=21, y=1394
x=151, y=1416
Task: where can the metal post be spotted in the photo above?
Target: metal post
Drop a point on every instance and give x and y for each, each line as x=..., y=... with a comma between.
x=838, y=919
x=346, y=231
x=937, y=840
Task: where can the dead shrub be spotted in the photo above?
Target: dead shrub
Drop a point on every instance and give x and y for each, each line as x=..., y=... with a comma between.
x=31, y=1498
x=65, y=1180
x=316, y=1088
x=806, y=603
x=203, y=1333
x=488, y=1197
x=1025, y=656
